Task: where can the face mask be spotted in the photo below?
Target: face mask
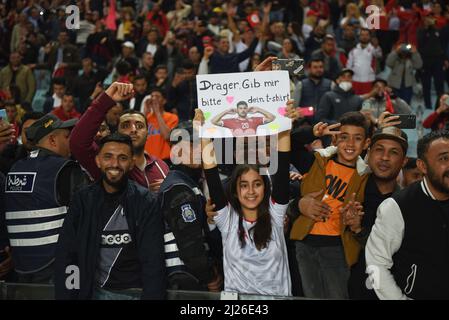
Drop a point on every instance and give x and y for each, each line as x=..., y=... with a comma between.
x=345, y=85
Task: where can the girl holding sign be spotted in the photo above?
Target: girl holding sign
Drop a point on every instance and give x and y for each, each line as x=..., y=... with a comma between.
x=250, y=218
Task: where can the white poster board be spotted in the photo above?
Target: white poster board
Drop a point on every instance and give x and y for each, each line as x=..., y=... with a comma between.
x=243, y=104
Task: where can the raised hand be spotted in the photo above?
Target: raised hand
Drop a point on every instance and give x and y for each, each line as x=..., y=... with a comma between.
x=267, y=7
x=199, y=117
x=119, y=91
x=265, y=65
x=292, y=112
x=324, y=129
x=210, y=211
x=156, y=185
x=208, y=51
x=386, y=119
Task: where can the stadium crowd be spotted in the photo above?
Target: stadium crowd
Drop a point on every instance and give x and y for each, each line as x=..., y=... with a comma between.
x=92, y=174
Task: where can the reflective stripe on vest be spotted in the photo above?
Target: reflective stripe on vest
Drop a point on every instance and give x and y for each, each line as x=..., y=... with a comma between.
x=35, y=227
x=171, y=248
x=169, y=237
x=35, y=213
x=169, y=263
x=33, y=242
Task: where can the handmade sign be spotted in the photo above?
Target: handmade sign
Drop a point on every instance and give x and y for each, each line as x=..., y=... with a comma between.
x=243, y=104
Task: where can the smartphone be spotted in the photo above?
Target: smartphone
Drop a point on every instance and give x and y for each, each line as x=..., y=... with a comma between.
x=4, y=116
x=408, y=121
x=295, y=67
x=307, y=111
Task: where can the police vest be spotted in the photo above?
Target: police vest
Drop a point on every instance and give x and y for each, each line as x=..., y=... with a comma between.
x=33, y=213
x=421, y=264
x=178, y=239
x=311, y=93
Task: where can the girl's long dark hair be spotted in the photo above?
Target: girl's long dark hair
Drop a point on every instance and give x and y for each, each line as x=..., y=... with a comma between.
x=261, y=232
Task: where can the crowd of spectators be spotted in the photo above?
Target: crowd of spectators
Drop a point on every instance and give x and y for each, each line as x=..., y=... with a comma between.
x=93, y=96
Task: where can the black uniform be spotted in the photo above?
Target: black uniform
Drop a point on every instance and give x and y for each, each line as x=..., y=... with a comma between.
x=186, y=254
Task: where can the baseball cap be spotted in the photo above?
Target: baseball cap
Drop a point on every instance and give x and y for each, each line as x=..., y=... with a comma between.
x=46, y=125
x=180, y=132
x=128, y=44
x=391, y=133
x=344, y=70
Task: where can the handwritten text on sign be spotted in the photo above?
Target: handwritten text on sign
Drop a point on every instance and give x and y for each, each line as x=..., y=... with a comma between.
x=244, y=104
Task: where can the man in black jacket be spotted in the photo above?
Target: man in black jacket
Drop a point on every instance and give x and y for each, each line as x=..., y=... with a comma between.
x=221, y=61
x=340, y=100
x=113, y=235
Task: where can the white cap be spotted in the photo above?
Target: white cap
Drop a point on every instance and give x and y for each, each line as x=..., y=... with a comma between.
x=128, y=44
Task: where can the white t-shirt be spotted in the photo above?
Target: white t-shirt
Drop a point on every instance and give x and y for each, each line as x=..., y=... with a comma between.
x=56, y=100
x=151, y=48
x=248, y=270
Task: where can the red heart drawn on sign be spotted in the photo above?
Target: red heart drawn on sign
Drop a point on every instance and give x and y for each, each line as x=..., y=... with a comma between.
x=282, y=111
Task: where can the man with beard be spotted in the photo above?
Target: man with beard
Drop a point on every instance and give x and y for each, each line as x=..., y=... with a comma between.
x=113, y=233
x=407, y=251
x=334, y=58
x=309, y=90
x=148, y=171
x=362, y=60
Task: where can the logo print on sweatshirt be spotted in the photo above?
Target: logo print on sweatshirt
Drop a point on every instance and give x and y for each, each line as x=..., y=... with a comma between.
x=336, y=187
x=115, y=239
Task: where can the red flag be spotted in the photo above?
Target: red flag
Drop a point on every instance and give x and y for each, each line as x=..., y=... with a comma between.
x=388, y=104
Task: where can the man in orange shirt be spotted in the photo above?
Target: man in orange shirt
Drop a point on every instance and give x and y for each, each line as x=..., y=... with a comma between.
x=160, y=124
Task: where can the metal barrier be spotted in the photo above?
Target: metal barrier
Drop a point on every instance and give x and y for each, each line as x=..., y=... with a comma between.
x=22, y=291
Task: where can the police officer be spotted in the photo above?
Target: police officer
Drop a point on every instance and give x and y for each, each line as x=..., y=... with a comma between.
x=188, y=260
x=38, y=190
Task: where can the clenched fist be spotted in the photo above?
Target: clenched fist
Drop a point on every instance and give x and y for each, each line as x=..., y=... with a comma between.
x=120, y=91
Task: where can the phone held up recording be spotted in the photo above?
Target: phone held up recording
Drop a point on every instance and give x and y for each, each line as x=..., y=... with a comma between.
x=408, y=121
x=295, y=67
